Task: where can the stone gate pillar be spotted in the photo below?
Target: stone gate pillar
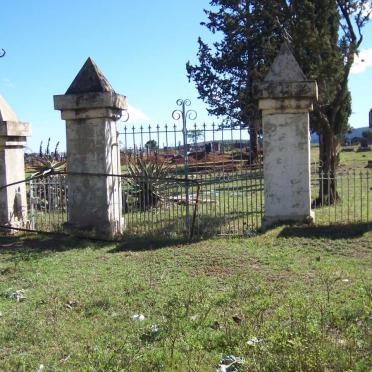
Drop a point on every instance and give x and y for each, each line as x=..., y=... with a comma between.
x=91, y=108
x=13, y=201
x=286, y=98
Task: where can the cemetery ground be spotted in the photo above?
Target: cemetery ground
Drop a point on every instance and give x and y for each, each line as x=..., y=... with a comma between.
x=294, y=298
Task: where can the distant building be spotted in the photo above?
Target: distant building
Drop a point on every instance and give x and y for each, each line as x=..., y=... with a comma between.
x=353, y=136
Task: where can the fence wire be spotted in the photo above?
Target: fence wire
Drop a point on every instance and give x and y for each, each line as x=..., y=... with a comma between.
x=220, y=203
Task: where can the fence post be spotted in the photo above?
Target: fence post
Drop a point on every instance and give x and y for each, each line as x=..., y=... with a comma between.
x=13, y=200
x=91, y=109
x=185, y=114
x=286, y=98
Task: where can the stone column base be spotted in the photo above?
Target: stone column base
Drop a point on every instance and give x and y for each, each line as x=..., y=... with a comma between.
x=107, y=231
x=270, y=221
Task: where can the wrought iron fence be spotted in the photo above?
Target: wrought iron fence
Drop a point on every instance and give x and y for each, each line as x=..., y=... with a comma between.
x=159, y=206
x=344, y=197
x=47, y=202
x=220, y=159
x=213, y=185
x=218, y=203
x=202, y=205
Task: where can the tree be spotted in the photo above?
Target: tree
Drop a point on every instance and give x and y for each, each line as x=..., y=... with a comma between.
x=194, y=134
x=228, y=71
x=325, y=36
x=326, y=54
x=150, y=145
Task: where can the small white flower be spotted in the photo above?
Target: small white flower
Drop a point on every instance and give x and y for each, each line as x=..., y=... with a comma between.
x=346, y=280
x=254, y=340
x=40, y=368
x=136, y=317
x=155, y=328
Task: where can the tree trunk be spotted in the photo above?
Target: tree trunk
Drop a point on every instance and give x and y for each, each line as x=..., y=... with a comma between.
x=254, y=145
x=328, y=161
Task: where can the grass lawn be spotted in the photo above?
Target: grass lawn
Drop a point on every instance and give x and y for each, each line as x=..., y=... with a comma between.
x=295, y=298
x=349, y=161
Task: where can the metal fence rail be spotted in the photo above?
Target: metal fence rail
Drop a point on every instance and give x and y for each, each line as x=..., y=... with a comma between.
x=230, y=203
x=352, y=201
x=162, y=207
x=47, y=203
x=220, y=159
x=206, y=204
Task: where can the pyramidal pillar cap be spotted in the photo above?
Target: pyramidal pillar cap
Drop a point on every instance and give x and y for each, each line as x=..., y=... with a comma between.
x=286, y=79
x=10, y=125
x=90, y=90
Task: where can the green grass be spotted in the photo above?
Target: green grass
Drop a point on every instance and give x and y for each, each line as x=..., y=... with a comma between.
x=349, y=161
x=305, y=292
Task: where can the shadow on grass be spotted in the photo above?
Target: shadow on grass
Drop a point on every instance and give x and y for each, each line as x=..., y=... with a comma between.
x=30, y=247
x=141, y=244
x=333, y=232
x=206, y=227
x=36, y=246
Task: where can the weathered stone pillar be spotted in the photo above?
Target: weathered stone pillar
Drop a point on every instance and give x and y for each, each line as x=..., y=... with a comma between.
x=91, y=109
x=13, y=201
x=286, y=98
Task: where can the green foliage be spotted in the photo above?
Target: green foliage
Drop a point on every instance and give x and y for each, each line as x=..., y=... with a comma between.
x=151, y=145
x=147, y=181
x=230, y=68
x=324, y=35
x=194, y=134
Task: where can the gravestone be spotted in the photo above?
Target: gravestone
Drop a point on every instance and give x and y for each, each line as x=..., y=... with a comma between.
x=13, y=201
x=286, y=98
x=91, y=109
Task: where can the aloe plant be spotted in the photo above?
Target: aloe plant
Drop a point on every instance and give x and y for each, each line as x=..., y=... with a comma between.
x=147, y=181
x=49, y=166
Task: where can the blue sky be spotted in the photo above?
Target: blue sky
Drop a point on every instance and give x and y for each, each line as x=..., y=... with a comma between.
x=140, y=46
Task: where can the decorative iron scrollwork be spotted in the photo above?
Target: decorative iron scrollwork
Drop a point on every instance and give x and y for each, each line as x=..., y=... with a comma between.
x=183, y=113
x=125, y=116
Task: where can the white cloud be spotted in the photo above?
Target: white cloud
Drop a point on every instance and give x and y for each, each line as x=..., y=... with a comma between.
x=136, y=115
x=362, y=61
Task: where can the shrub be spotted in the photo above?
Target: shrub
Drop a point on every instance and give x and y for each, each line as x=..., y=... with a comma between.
x=147, y=181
